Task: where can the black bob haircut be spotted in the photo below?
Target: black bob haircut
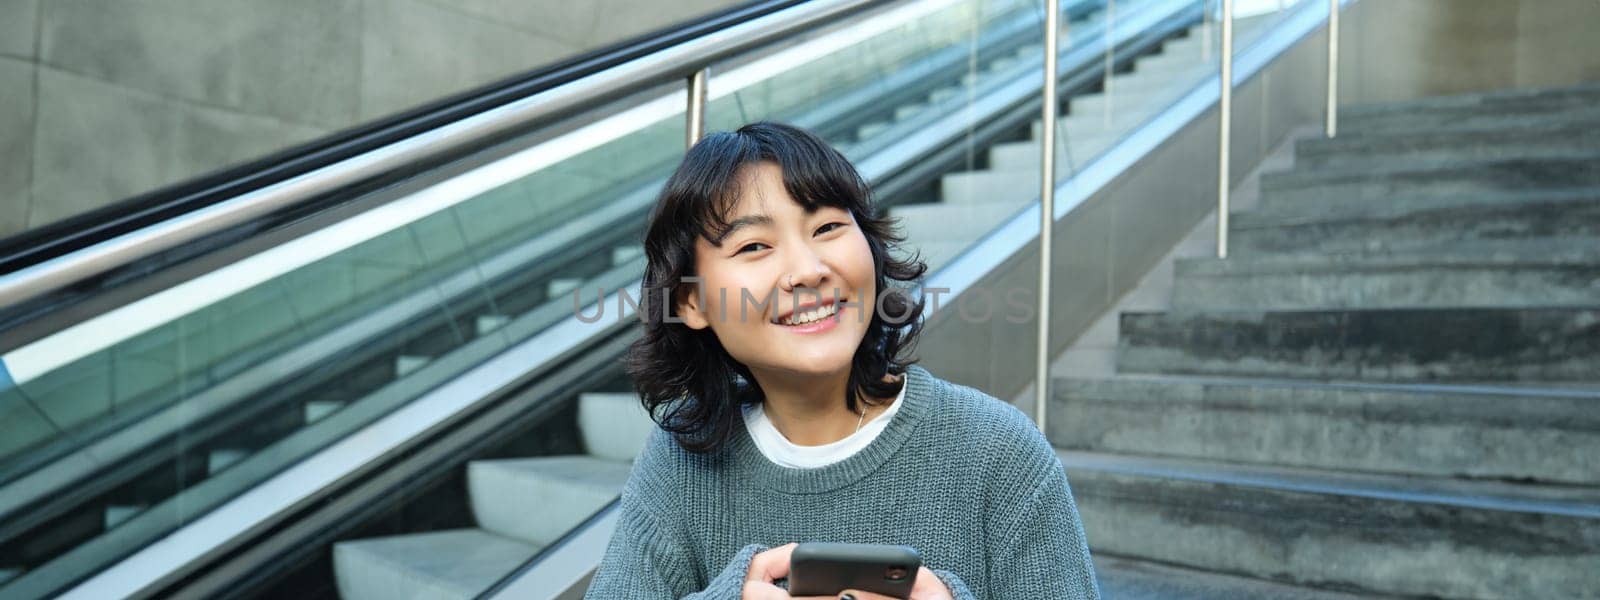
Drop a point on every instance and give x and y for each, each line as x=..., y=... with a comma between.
x=687, y=381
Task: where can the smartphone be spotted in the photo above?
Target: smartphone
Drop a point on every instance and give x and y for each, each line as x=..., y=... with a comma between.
x=826, y=568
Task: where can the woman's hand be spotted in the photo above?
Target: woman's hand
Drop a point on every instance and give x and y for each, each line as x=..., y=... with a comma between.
x=927, y=587
x=766, y=568
x=772, y=565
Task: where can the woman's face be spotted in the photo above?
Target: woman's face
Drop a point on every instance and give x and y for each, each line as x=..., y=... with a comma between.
x=776, y=251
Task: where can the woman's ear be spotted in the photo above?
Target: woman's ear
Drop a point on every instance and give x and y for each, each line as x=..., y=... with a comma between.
x=689, y=307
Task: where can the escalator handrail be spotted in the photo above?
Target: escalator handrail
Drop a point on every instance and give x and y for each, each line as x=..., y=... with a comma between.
x=537, y=105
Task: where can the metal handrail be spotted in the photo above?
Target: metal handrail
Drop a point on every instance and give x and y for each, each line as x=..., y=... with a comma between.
x=1225, y=129
x=1333, y=69
x=1047, y=194
x=1225, y=134
x=674, y=63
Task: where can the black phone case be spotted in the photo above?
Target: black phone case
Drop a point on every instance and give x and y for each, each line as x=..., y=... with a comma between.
x=826, y=568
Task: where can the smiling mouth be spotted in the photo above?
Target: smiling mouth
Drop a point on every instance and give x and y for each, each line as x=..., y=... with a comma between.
x=809, y=316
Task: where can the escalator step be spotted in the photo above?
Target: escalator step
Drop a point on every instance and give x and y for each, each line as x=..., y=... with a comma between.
x=1002, y=63
x=626, y=254
x=457, y=563
x=220, y=459
x=316, y=410
x=116, y=514
x=939, y=222
x=871, y=129
x=981, y=187
x=407, y=364
x=488, y=323
x=567, y=490
x=562, y=285
x=614, y=426
x=906, y=112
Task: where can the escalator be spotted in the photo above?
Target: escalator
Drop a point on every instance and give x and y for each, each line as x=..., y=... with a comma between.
x=395, y=391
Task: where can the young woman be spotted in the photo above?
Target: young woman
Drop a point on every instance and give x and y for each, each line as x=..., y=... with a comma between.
x=772, y=357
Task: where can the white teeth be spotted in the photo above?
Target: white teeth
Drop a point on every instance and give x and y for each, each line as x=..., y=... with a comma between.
x=810, y=315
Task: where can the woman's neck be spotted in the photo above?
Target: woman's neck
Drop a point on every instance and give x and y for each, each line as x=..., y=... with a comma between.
x=810, y=411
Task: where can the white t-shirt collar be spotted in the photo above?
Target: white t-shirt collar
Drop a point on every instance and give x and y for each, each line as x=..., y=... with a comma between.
x=785, y=453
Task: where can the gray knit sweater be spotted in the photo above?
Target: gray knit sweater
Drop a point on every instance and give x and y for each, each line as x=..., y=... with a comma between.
x=962, y=477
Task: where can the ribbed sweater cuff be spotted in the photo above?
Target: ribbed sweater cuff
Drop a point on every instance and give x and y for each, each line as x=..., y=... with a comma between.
x=729, y=584
x=958, y=588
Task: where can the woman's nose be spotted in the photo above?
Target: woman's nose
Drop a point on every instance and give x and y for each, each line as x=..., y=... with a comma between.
x=809, y=273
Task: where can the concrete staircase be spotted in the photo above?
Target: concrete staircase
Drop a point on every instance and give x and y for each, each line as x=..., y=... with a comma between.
x=1391, y=387
x=521, y=506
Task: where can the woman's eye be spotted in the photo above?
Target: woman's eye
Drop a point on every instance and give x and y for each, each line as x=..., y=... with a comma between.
x=748, y=246
x=825, y=228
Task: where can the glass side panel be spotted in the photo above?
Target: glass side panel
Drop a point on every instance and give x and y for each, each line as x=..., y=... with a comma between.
x=160, y=410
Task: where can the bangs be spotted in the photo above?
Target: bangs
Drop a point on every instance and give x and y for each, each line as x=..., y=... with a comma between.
x=814, y=175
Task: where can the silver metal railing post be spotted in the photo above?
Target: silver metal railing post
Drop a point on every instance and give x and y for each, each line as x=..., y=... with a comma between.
x=1224, y=139
x=1333, y=68
x=696, y=112
x=1111, y=34
x=1047, y=204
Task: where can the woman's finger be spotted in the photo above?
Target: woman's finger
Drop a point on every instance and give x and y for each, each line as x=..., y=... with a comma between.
x=929, y=587
x=761, y=590
x=860, y=595
x=771, y=565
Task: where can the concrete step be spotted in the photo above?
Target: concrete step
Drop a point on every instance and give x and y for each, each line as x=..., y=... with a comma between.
x=613, y=426
x=872, y=129
x=940, y=222
x=222, y=458
x=317, y=410
x=1476, y=432
x=566, y=489
x=1475, y=117
x=444, y=565
x=1126, y=579
x=1369, y=534
x=1456, y=344
x=1463, y=179
x=980, y=187
x=1579, y=95
x=1380, y=150
x=9, y=574
x=1554, y=275
x=1420, y=224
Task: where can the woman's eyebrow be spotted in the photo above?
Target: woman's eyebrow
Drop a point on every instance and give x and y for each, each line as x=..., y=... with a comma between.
x=739, y=223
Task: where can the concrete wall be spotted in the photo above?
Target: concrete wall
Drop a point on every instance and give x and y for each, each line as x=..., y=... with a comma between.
x=105, y=99
x=1402, y=49
x=1104, y=246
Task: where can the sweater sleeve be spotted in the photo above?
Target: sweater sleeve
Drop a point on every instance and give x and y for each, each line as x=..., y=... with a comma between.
x=958, y=588
x=643, y=562
x=645, y=558
x=1037, y=544
x=1046, y=555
